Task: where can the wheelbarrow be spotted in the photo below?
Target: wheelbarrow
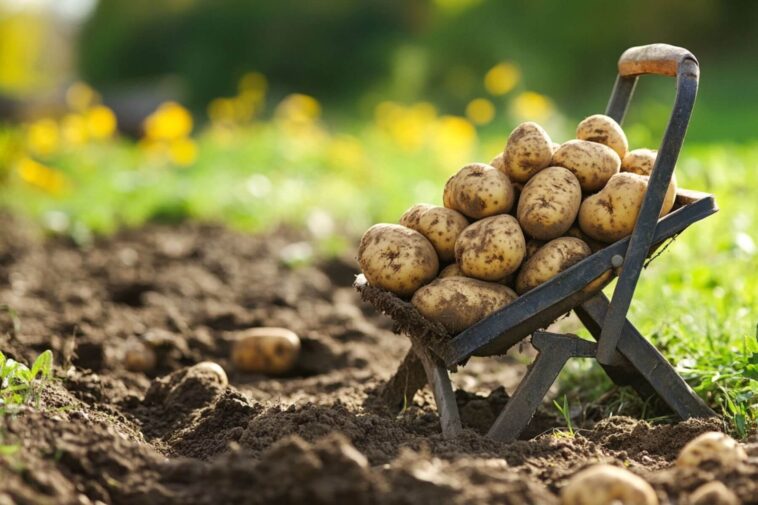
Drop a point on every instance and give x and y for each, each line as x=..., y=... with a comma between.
x=625, y=355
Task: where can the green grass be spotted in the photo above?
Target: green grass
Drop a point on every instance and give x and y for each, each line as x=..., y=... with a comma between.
x=21, y=385
x=698, y=302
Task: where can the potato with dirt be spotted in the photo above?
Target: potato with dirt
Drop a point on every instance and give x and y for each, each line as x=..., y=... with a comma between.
x=396, y=258
x=713, y=446
x=452, y=270
x=459, y=302
x=549, y=203
x=550, y=260
x=478, y=190
x=265, y=350
x=593, y=164
x=641, y=162
x=603, y=484
x=528, y=150
x=603, y=130
x=491, y=249
x=611, y=214
x=440, y=225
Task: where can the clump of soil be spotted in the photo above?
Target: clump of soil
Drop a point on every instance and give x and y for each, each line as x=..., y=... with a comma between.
x=319, y=434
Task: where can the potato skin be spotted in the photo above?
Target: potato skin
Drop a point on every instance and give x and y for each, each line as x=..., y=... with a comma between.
x=491, y=249
x=641, y=162
x=593, y=164
x=268, y=351
x=549, y=202
x=711, y=446
x=499, y=163
x=397, y=258
x=611, y=214
x=440, y=225
x=604, y=484
x=459, y=302
x=577, y=232
x=478, y=190
x=603, y=130
x=550, y=260
x=528, y=150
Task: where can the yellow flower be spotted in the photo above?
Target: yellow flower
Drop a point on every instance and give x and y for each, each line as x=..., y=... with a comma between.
x=455, y=139
x=40, y=176
x=74, y=129
x=533, y=106
x=183, y=151
x=42, y=137
x=221, y=110
x=298, y=108
x=253, y=81
x=79, y=96
x=170, y=121
x=480, y=111
x=101, y=122
x=347, y=151
x=502, y=78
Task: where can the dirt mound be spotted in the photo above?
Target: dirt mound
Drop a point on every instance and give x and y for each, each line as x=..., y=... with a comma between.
x=319, y=434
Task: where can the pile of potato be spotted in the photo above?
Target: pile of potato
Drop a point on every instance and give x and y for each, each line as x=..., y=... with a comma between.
x=508, y=226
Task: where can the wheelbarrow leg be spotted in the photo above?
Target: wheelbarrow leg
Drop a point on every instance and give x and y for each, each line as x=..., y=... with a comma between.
x=649, y=363
x=554, y=351
x=403, y=385
x=442, y=388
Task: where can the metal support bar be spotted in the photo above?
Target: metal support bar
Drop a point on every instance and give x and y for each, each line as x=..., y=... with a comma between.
x=444, y=397
x=651, y=364
x=554, y=351
x=644, y=230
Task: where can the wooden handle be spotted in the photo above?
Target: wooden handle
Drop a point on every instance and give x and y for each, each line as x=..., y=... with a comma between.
x=661, y=59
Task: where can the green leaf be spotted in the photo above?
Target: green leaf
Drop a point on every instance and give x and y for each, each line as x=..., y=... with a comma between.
x=43, y=365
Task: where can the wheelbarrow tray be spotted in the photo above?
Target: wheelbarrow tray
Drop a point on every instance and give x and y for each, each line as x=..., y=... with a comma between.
x=537, y=308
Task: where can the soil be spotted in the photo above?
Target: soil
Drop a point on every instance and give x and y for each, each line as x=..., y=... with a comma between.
x=320, y=434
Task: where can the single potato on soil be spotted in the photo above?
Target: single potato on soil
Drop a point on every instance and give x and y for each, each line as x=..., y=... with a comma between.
x=528, y=150
x=550, y=260
x=267, y=350
x=478, y=190
x=440, y=225
x=603, y=130
x=712, y=446
x=459, y=302
x=549, y=203
x=491, y=249
x=397, y=258
x=593, y=164
x=606, y=484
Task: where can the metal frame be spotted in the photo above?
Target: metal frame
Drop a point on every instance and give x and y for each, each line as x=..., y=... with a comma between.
x=621, y=350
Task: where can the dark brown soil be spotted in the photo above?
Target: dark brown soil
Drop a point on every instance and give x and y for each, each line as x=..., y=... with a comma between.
x=317, y=435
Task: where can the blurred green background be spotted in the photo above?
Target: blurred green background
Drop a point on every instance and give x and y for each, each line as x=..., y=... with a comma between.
x=336, y=114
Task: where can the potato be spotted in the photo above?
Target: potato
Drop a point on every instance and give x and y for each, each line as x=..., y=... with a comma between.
x=549, y=202
x=265, y=350
x=641, y=162
x=499, y=162
x=528, y=150
x=478, y=190
x=711, y=446
x=397, y=258
x=139, y=357
x=550, y=260
x=603, y=130
x=440, y=225
x=610, y=215
x=491, y=249
x=452, y=270
x=210, y=369
x=713, y=493
x=604, y=485
x=577, y=232
x=459, y=302
x=593, y=164
x=532, y=246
